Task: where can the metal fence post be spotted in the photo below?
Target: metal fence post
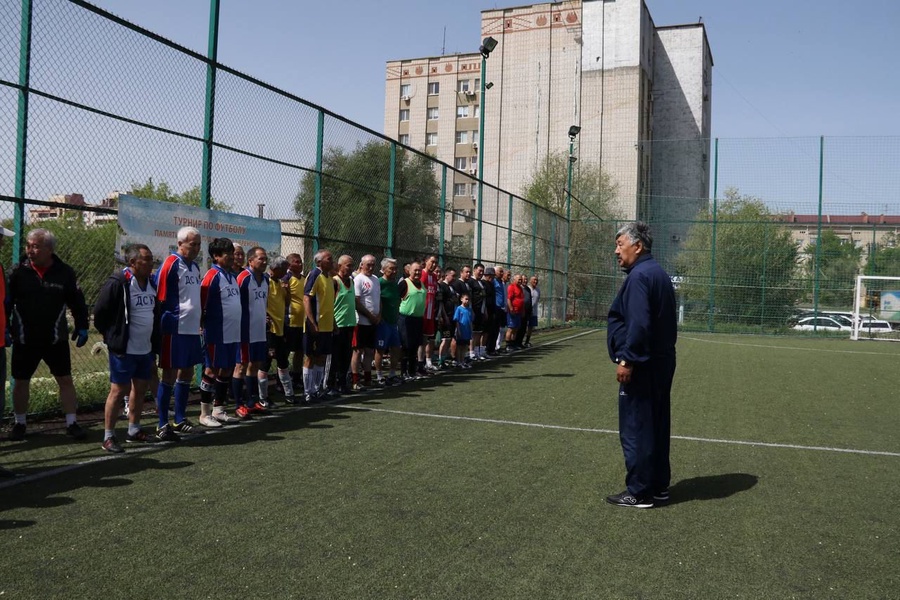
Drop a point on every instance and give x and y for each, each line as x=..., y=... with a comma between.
x=710, y=325
x=533, y=235
x=818, y=232
x=22, y=126
x=552, y=267
x=390, y=224
x=317, y=205
x=212, y=55
x=443, y=214
x=762, y=308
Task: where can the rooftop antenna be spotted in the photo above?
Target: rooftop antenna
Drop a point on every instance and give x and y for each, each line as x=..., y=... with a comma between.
x=444, y=43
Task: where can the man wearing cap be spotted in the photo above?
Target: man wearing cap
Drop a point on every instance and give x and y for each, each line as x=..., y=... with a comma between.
x=40, y=288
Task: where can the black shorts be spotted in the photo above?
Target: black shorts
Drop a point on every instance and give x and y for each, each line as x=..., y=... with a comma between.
x=478, y=322
x=25, y=359
x=293, y=336
x=318, y=344
x=278, y=349
x=366, y=337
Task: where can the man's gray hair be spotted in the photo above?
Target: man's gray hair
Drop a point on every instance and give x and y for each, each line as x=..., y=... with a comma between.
x=186, y=232
x=387, y=260
x=133, y=252
x=46, y=236
x=279, y=262
x=637, y=231
x=317, y=259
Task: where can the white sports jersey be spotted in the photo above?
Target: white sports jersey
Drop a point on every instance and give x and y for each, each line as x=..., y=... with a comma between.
x=140, y=317
x=254, y=300
x=368, y=289
x=178, y=289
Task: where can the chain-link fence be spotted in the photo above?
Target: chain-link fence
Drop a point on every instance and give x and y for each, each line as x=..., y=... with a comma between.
x=92, y=106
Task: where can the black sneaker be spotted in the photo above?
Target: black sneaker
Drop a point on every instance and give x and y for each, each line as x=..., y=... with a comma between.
x=627, y=500
x=17, y=433
x=138, y=438
x=76, y=431
x=165, y=434
x=184, y=427
x=662, y=496
x=112, y=445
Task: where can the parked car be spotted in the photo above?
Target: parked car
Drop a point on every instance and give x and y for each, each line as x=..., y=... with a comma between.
x=820, y=323
x=874, y=326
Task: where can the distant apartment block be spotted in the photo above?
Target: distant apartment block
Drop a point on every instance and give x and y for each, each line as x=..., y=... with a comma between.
x=640, y=93
x=40, y=214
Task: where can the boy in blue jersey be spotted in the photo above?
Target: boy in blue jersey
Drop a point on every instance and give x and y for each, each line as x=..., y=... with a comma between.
x=463, y=317
x=221, y=302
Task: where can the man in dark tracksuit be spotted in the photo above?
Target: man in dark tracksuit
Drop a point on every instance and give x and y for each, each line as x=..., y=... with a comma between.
x=641, y=339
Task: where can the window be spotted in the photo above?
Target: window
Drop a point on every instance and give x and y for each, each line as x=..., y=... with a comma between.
x=462, y=112
x=477, y=84
x=460, y=189
x=462, y=137
x=462, y=85
x=431, y=139
x=459, y=216
x=405, y=90
x=460, y=163
x=434, y=88
x=404, y=114
x=475, y=136
x=404, y=139
x=477, y=111
x=433, y=113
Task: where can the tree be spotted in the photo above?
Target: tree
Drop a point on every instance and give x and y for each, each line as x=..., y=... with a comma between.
x=592, y=219
x=162, y=191
x=756, y=263
x=355, y=194
x=837, y=265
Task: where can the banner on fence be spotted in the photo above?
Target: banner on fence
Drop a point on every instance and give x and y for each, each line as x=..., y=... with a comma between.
x=890, y=306
x=156, y=224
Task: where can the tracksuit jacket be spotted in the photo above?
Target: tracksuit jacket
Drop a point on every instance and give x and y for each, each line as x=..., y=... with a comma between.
x=111, y=312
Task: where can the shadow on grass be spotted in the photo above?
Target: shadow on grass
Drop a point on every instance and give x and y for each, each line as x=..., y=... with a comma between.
x=711, y=487
x=46, y=493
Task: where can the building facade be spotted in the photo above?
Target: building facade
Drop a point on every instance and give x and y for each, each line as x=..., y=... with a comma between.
x=640, y=93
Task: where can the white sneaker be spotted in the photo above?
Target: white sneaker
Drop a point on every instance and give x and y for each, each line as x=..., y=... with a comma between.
x=224, y=418
x=209, y=421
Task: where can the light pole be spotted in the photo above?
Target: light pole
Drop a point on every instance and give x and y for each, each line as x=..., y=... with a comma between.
x=574, y=130
x=487, y=46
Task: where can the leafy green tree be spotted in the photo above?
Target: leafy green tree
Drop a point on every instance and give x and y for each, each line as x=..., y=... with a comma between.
x=837, y=265
x=592, y=281
x=162, y=191
x=756, y=265
x=355, y=200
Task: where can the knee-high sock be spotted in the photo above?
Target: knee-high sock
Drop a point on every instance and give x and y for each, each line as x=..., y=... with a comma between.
x=319, y=374
x=262, y=380
x=237, y=389
x=285, y=377
x=252, y=390
x=308, y=379
x=207, y=387
x=221, y=392
x=182, y=391
x=163, y=399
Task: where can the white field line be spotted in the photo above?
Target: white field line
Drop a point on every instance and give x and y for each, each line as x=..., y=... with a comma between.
x=771, y=347
x=616, y=432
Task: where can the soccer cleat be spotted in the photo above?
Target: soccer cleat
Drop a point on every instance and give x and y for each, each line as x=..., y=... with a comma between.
x=209, y=421
x=138, y=438
x=184, y=427
x=265, y=403
x=291, y=399
x=358, y=387
x=220, y=415
x=627, y=500
x=166, y=434
x=112, y=445
x=17, y=433
x=243, y=413
x=76, y=431
x=259, y=409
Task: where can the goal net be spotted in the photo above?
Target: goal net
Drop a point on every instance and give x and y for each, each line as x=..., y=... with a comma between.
x=876, y=308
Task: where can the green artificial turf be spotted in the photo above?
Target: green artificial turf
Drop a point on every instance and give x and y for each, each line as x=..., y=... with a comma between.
x=392, y=496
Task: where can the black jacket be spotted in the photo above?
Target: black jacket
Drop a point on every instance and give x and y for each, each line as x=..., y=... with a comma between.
x=38, y=305
x=111, y=312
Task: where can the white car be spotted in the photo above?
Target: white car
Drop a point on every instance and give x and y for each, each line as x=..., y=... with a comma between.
x=820, y=323
x=874, y=326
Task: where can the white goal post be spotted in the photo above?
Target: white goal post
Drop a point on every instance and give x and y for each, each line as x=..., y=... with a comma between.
x=869, y=323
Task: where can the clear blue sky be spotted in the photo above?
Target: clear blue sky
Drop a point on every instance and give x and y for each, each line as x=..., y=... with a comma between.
x=782, y=67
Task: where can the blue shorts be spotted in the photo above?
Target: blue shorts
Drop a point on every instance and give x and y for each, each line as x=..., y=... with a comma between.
x=532, y=321
x=317, y=344
x=125, y=367
x=388, y=336
x=513, y=321
x=252, y=352
x=180, y=351
x=222, y=356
